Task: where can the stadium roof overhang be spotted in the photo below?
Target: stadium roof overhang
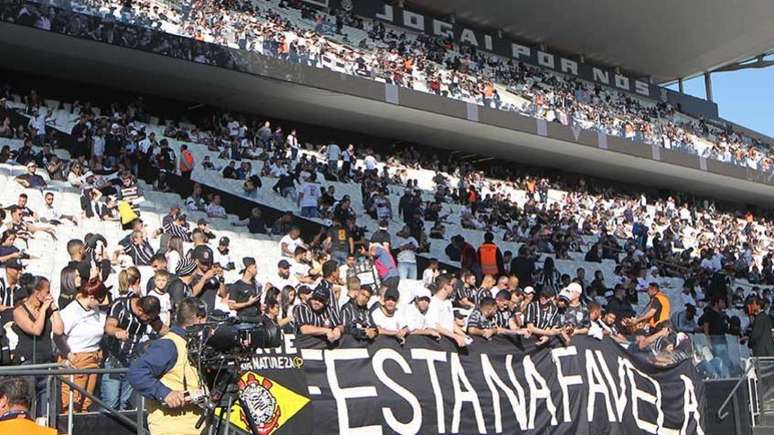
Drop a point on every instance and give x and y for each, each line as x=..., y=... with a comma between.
x=663, y=39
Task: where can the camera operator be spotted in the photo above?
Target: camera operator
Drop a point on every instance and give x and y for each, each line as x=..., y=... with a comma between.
x=165, y=376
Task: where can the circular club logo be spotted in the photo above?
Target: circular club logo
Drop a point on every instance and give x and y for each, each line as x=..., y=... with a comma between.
x=261, y=404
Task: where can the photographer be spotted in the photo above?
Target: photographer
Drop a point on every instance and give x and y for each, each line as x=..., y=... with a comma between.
x=164, y=375
x=207, y=281
x=356, y=316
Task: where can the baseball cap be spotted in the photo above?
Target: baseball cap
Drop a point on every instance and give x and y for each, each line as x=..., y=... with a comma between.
x=283, y=264
x=14, y=263
x=421, y=293
x=321, y=295
x=247, y=262
x=201, y=221
x=224, y=241
x=391, y=295
x=574, y=287
x=185, y=267
x=529, y=290
x=203, y=254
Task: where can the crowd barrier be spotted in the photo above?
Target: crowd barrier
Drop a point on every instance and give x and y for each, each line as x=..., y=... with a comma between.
x=719, y=357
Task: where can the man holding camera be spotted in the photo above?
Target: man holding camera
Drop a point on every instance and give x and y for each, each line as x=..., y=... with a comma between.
x=207, y=281
x=165, y=376
x=356, y=316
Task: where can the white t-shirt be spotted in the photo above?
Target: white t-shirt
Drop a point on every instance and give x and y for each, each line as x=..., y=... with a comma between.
x=428, y=276
x=233, y=128
x=165, y=301
x=280, y=282
x=413, y=319
x=216, y=210
x=173, y=259
x=440, y=313
x=370, y=162
x=291, y=244
x=298, y=269
x=311, y=193
x=407, y=255
x=84, y=328
x=393, y=323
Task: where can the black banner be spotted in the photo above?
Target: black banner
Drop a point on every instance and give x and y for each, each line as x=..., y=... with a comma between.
x=497, y=386
x=417, y=22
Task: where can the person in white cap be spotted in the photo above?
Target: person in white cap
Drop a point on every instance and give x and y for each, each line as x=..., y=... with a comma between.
x=575, y=316
x=415, y=314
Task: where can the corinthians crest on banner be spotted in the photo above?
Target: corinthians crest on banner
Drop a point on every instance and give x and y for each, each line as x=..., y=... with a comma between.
x=265, y=405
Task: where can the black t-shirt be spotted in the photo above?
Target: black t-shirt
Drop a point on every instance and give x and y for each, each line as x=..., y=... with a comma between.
x=256, y=226
x=339, y=238
x=718, y=323
x=209, y=291
x=177, y=290
x=241, y=291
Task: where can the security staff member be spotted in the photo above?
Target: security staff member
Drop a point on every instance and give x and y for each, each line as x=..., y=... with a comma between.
x=164, y=375
x=489, y=256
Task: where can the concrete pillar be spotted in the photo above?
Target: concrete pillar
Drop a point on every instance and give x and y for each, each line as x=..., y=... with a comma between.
x=708, y=85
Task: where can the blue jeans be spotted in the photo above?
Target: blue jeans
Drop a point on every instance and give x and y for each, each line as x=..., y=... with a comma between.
x=407, y=270
x=310, y=212
x=115, y=389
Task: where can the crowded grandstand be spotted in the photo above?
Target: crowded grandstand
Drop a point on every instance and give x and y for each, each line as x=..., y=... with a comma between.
x=127, y=225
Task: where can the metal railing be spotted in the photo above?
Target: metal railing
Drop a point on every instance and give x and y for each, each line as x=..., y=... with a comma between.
x=57, y=374
x=760, y=389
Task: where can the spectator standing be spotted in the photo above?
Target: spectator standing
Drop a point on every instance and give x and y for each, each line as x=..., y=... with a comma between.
x=342, y=243
x=333, y=154
x=35, y=320
x=489, y=256
x=760, y=340
x=244, y=295
x=129, y=324
x=308, y=198
x=407, y=246
x=186, y=162
x=385, y=265
x=84, y=326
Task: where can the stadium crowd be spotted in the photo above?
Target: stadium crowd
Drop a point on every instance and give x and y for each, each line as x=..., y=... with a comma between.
x=296, y=32
x=349, y=279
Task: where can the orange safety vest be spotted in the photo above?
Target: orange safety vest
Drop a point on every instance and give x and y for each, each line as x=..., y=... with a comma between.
x=663, y=314
x=186, y=163
x=488, y=259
